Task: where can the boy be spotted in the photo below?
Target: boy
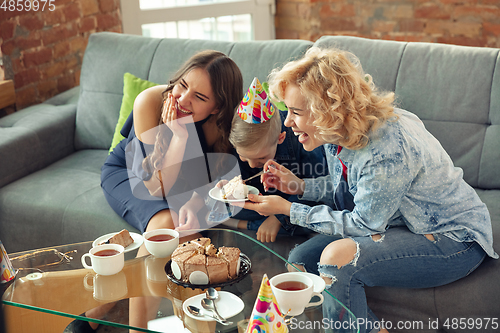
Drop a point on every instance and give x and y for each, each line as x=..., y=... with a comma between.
x=258, y=135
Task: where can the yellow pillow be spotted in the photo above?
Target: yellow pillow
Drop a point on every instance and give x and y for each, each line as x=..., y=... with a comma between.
x=132, y=86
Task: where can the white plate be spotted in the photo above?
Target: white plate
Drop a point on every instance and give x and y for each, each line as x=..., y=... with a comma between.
x=228, y=305
x=319, y=283
x=216, y=194
x=138, y=240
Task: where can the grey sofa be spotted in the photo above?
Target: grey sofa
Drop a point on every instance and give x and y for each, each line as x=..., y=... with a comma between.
x=51, y=154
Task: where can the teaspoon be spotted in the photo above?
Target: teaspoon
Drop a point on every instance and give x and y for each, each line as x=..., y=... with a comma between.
x=197, y=312
x=213, y=295
x=208, y=304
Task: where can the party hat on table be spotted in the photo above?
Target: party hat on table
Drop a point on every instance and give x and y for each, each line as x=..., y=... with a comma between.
x=7, y=272
x=266, y=315
x=256, y=108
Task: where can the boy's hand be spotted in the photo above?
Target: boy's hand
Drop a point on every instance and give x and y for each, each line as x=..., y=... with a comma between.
x=221, y=183
x=279, y=177
x=269, y=229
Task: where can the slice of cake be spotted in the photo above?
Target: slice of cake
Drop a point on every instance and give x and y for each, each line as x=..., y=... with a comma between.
x=235, y=189
x=231, y=256
x=195, y=268
x=123, y=238
x=197, y=245
x=185, y=247
x=178, y=261
x=217, y=270
x=201, y=242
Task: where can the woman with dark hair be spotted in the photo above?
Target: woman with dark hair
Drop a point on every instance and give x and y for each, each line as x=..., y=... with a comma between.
x=176, y=144
x=167, y=138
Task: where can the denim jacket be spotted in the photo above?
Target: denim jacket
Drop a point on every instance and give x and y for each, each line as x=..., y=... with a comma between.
x=402, y=177
x=294, y=157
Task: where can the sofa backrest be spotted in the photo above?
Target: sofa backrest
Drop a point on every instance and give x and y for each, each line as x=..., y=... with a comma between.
x=455, y=90
x=109, y=55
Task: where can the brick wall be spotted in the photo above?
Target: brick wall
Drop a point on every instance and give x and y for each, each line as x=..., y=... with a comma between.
x=461, y=22
x=43, y=50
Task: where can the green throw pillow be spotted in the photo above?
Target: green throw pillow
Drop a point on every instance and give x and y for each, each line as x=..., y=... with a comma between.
x=132, y=86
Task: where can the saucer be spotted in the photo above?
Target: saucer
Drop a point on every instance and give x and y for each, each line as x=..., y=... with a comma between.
x=228, y=305
x=138, y=240
x=216, y=194
x=319, y=283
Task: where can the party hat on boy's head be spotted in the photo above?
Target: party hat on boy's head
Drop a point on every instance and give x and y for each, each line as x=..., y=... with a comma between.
x=266, y=315
x=256, y=108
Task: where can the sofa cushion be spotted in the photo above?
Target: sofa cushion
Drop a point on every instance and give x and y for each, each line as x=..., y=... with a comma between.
x=163, y=67
x=132, y=86
x=489, y=175
x=67, y=200
x=381, y=59
x=35, y=137
x=258, y=58
x=450, y=86
x=107, y=57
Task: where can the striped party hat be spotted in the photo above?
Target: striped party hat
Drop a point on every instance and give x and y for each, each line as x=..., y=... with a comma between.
x=256, y=108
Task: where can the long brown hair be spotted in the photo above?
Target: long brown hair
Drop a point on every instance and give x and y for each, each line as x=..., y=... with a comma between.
x=227, y=85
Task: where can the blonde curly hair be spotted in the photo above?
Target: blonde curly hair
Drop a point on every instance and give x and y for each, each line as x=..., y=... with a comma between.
x=344, y=102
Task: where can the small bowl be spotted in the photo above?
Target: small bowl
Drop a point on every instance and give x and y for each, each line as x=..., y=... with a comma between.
x=161, y=249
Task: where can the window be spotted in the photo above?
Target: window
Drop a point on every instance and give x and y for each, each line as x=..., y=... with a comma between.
x=222, y=20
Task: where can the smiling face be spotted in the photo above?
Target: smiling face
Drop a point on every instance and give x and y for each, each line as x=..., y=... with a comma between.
x=194, y=95
x=300, y=119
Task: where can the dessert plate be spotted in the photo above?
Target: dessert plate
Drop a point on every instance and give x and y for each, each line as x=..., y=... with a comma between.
x=228, y=305
x=138, y=240
x=245, y=266
x=216, y=194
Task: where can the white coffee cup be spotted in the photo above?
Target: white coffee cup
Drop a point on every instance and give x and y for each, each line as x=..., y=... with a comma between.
x=106, y=288
x=161, y=249
x=105, y=264
x=293, y=302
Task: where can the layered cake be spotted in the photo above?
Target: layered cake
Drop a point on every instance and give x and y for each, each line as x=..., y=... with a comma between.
x=199, y=262
x=235, y=189
x=123, y=238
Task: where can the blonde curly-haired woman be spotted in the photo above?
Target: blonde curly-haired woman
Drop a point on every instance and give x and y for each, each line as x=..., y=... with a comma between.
x=415, y=223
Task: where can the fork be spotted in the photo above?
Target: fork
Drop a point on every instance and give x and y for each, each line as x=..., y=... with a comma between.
x=256, y=175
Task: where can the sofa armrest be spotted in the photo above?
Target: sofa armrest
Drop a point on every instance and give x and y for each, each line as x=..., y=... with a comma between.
x=35, y=137
x=70, y=96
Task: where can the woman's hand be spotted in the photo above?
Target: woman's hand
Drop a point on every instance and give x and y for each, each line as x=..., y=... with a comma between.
x=188, y=219
x=279, y=177
x=267, y=204
x=188, y=214
x=169, y=117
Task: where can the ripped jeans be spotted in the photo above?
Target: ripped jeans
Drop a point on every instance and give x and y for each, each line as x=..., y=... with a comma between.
x=399, y=258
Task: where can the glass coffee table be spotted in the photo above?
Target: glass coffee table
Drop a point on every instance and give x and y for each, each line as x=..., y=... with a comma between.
x=141, y=297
